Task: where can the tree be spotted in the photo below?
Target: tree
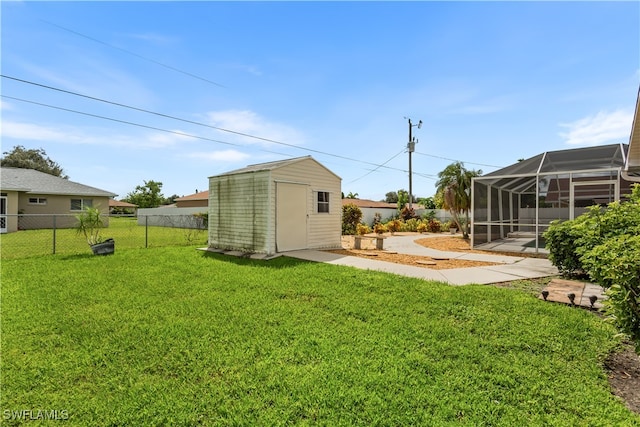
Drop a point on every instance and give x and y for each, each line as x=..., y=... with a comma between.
x=403, y=199
x=352, y=195
x=391, y=197
x=148, y=195
x=455, y=184
x=23, y=158
x=427, y=202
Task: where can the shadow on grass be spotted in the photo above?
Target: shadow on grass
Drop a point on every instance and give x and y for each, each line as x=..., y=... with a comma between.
x=275, y=263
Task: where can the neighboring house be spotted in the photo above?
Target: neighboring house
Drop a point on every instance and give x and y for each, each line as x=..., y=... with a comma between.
x=632, y=166
x=118, y=207
x=276, y=207
x=197, y=200
x=46, y=201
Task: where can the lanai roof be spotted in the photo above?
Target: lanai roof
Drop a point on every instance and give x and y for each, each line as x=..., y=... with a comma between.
x=523, y=174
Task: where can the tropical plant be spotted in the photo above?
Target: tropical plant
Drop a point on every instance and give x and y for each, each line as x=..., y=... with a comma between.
x=379, y=228
x=90, y=225
x=454, y=182
x=394, y=225
x=351, y=216
x=362, y=229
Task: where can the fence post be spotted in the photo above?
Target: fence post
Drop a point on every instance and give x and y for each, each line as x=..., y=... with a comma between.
x=146, y=231
x=54, y=235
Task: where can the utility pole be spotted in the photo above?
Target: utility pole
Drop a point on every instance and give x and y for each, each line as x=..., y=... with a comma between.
x=411, y=147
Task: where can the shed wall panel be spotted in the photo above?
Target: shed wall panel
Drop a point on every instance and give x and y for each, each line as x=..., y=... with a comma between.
x=238, y=212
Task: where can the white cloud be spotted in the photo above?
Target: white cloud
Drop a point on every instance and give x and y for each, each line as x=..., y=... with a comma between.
x=221, y=156
x=4, y=105
x=599, y=128
x=250, y=123
x=88, y=136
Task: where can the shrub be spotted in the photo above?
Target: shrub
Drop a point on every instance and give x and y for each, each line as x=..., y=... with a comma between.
x=407, y=213
x=394, y=225
x=434, y=226
x=362, y=229
x=615, y=264
x=351, y=216
x=379, y=228
x=604, y=243
x=422, y=227
x=411, y=225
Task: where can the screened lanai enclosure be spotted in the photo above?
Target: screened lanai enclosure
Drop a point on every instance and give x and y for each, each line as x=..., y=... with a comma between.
x=513, y=207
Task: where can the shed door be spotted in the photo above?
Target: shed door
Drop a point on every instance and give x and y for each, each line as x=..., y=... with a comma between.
x=291, y=216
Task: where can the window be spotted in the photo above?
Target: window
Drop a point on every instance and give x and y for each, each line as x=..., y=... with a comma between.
x=323, y=202
x=80, y=204
x=37, y=201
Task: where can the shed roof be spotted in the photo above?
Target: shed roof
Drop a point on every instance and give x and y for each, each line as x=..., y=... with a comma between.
x=36, y=182
x=269, y=166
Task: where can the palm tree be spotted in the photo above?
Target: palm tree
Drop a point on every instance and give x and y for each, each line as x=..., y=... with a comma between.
x=455, y=184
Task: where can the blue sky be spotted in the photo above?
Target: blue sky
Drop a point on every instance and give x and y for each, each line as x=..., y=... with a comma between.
x=493, y=82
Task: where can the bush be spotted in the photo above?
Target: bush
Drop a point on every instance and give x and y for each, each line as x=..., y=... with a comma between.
x=615, y=264
x=604, y=243
x=422, y=227
x=407, y=213
x=434, y=226
x=362, y=229
x=411, y=225
x=351, y=216
x=394, y=225
x=380, y=228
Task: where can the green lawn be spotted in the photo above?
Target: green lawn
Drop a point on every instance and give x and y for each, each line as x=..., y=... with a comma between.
x=173, y=336
x=125, y=231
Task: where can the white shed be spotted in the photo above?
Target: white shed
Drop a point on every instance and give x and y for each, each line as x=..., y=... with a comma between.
x=276, y=207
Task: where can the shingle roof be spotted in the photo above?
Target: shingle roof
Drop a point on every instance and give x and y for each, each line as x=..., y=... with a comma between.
x=202, y=195
x=33, y=181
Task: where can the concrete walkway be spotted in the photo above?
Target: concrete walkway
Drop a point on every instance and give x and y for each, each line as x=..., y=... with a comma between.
x=512, y=267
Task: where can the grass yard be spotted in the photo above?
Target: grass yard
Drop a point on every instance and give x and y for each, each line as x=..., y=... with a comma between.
x=125, y=231
x=173, y=336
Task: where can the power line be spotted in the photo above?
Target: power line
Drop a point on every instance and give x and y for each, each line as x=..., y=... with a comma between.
x=377, y=166
x=461, y=161
x=133, y=54
x=185, y=121
x=375, y=169
x=175, y=132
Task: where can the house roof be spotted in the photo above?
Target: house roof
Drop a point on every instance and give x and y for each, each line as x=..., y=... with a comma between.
x=202, y=195
x=120, y=204
x=36, y=182
x=364, y=203
x=269, y=166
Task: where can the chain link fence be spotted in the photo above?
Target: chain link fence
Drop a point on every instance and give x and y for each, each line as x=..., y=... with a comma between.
x=38, y=235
